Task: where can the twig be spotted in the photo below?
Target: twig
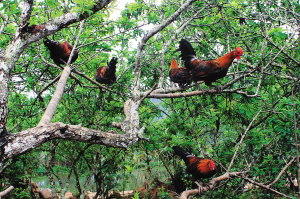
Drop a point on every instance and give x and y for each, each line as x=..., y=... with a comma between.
x=264, y=186
x=241, y=141
x=148, y=93
x=282, y=171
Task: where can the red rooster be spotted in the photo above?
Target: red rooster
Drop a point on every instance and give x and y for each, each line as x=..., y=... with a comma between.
x=207, y=71
x=60, y=52
x=179, y=75
x=107, y=74
x=198, y=167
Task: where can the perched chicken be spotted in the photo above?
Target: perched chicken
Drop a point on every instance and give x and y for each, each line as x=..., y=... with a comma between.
x=179, y=75
x=60, y=52
x=198, y=167
x=107, y=74
x=207, y=71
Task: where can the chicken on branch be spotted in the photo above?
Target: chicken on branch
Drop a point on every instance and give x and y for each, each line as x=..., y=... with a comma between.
x=207, y=71
x=179, y=75
x=107, y=74
x=60, y=52
x=198, y=167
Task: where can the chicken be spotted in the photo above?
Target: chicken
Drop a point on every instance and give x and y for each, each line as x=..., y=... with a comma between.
x=207, y=71
x=60, y=52
x=179, y=75
x=198, y=167
x=107, y=74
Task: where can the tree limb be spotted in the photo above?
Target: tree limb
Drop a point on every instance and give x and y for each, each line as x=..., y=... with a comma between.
x=51, y=108
x=25, y=141
x=212, y=182
x=6, y=191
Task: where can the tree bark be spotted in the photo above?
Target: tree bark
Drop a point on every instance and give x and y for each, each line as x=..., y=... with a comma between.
x=29, y=139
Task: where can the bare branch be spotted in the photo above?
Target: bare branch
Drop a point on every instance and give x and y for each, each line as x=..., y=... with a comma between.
x=25, y=141
x=6, y=191
x=148, y=93
x=241, y=141
x=212, y=182
x=282, y=171
x=47, y=117
x=198, y=92
x=264, y=186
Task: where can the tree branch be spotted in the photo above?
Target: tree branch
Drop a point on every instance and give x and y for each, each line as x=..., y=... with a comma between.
x=212, y=182
x=30, y=139
x=6, y=191
x=241, y=141
x=136, y=90
x=280, y=174
x=51, y=108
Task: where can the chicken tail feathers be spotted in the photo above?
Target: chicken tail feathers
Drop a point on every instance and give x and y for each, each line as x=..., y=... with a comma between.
x=187, y=52
x=182, y=153
x=112, y=64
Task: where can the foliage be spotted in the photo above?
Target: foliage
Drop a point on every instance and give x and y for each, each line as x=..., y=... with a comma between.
x=19, y=193
x=208, y=125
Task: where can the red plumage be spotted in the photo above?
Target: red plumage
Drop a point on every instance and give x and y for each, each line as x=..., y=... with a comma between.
x=107, y=74
x=198, y=167
x=207, y=71
x=179, y=75
x=60, y=52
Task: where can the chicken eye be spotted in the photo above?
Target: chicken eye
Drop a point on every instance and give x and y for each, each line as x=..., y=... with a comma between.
x=238, y=52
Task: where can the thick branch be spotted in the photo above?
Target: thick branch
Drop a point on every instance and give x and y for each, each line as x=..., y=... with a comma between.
x=6, y=191
x=30, y=139
x=64, y=21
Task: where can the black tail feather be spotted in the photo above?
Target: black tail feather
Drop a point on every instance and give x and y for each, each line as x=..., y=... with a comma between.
x=187, y=52
x=112, y=64
x=182, y=153
x=186, y=48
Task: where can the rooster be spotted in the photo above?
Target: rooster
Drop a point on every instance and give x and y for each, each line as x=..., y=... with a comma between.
x=207, y=71
x=60, y=52
x=198, y=167
x=107, y=74
x=179, y=75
